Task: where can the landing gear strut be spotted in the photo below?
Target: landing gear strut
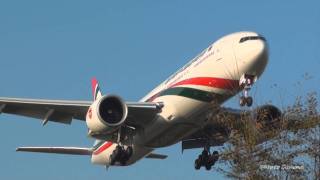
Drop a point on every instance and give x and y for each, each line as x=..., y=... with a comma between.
x=121, y=154
x=246, y=82
x=206, y=159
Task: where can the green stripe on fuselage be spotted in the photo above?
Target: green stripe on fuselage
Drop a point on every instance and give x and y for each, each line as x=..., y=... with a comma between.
x=192, y=93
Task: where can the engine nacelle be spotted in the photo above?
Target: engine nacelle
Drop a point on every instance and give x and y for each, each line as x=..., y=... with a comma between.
x=268, y=122
x=267, y=116
x=106, y=114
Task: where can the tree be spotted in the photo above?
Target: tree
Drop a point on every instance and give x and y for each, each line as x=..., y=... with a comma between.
x=289, y=150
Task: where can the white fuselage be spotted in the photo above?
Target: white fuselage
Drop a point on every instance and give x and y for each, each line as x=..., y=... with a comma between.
x=212, y=77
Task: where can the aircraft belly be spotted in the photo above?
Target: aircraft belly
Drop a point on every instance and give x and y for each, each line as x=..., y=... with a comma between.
x=181, y=117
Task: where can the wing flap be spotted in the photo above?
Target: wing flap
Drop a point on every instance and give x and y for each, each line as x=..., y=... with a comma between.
x=57, y=150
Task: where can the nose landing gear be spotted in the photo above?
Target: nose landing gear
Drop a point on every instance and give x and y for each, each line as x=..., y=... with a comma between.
x=246, y=82
x=206, y=159
x=246, y=100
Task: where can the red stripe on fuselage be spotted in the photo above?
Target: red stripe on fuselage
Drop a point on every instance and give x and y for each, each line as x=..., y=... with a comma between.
x=220, y=83
x=102, y=148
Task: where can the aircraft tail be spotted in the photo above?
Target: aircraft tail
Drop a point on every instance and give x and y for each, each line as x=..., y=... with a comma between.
x=58, y=150
x=96, y=92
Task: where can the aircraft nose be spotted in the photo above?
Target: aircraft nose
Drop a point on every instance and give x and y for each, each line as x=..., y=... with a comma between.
x=252, y=52
x=260, y=48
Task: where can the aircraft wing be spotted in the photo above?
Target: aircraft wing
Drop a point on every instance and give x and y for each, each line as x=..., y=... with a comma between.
x=63, y=111
x=47, y=110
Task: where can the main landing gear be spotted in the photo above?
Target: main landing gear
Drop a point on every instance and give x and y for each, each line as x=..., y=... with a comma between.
x=206, y=159
x=246, y=82
x=121, y=154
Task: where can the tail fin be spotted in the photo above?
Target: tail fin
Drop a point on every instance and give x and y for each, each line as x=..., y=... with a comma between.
x=95, y=89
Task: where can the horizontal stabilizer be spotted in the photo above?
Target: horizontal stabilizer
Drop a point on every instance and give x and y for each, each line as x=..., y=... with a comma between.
x=156, y=156
x=57, y=150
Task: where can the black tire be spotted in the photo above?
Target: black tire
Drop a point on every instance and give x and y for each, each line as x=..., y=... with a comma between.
x=129, y=151
x=215, y=156
x=112, y=159
x=197, y=164
x=205, y=153
x=123, y=157
x=123, y=162
x=242, y=101
x=200, y=160
x=208, y=166
x=204, y=157
x=117, y=150
x=249, y=101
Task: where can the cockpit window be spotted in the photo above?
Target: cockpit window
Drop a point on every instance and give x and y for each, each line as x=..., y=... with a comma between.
x=252, y=38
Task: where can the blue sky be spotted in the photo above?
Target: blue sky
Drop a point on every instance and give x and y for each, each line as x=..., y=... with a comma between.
x=51, y=49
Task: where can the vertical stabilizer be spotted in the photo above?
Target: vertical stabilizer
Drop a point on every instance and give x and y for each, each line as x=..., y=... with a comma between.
x=95, y=89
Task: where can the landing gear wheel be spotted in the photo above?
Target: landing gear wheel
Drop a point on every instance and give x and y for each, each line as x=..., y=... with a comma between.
x=126, y=154
x=249, y=101
x=197, y=164
x=115, y=155
x=246, y=81
x=121, y=155
x=215, y=156
x=205, y=153
x=246, y=101
x=112, y=159
x=129, y=151
x=242, y=101
x=208, y=166
x=206, y=159
x=215, y=153
x=123, y=162
x=118, y=150
x=212, y=159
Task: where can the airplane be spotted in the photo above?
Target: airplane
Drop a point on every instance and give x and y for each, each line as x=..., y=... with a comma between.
x=180, y=109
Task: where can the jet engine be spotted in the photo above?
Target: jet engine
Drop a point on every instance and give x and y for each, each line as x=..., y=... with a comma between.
x=267, y=117
x=106, y=114
x=267, y=122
